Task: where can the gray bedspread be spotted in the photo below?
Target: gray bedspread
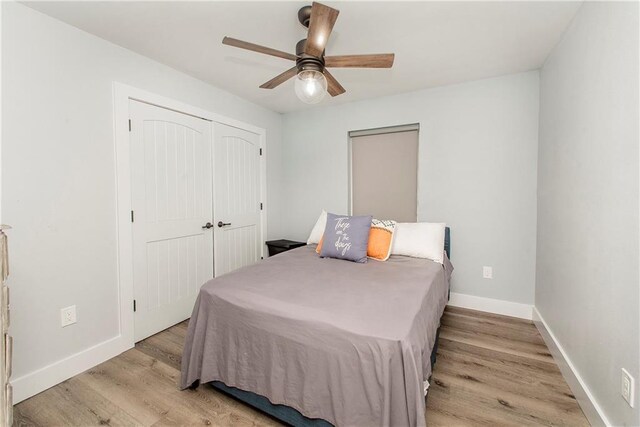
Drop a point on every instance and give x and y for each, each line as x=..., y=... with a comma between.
x=346, y=342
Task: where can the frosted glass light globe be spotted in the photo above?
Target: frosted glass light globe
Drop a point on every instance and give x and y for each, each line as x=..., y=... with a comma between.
x=311, y=86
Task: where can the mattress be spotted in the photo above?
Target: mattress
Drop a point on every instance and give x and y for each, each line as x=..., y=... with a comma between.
x=345, y=342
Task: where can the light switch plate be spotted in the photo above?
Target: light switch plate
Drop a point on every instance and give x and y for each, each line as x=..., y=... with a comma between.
x=487, y=272
x=627, y=387
x=68, y=316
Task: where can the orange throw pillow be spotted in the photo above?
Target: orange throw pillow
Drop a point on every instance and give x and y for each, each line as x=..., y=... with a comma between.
x=380, y=239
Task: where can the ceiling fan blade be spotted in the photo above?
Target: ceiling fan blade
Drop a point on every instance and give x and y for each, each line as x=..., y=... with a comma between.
x=257, y=48
x=280, y=78
x=379, y=60
x=333, y=87
x=322, y=20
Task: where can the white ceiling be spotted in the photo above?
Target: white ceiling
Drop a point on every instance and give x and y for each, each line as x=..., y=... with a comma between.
x=436, y=43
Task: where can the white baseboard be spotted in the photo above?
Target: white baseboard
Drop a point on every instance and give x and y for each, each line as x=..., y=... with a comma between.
x=587, y=402
x=37, y=381
x=490, y=305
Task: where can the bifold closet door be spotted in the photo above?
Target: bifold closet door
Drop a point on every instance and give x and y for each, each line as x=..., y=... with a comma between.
x=237, y=205
x=171, y=191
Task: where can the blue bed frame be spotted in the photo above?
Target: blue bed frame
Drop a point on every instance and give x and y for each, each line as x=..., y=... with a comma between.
x=290, y=415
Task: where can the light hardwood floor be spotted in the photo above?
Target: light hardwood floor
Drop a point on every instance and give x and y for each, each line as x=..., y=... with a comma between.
x=491, y=370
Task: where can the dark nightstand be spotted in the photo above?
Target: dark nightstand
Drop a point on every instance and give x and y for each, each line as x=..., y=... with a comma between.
x=279, y=246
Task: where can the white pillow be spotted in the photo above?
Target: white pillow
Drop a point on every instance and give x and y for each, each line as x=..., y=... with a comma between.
x=318, y=229
x=419, y=240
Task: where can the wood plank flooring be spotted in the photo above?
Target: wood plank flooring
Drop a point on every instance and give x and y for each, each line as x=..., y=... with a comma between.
x=491, y=370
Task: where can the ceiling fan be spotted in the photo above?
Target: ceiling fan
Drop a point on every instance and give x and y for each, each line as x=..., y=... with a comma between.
x=313, y=79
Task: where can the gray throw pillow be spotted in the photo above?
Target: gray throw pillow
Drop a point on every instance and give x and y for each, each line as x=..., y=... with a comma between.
x=346, y=237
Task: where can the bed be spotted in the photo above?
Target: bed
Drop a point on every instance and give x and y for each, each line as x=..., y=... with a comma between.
x=318, y=341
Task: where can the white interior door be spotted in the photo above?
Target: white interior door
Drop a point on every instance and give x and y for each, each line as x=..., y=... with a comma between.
x=237, y=206
x=171, y=193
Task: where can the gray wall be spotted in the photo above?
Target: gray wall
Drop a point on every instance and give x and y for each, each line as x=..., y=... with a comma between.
x=587, y=257
x=476, y=171
x=58, y=175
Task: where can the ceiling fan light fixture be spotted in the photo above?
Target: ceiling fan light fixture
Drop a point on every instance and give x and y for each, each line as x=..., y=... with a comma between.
x=310, y=86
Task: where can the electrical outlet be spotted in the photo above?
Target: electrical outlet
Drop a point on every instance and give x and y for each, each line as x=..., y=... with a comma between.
x=627, y=387
x=68, y=316
x=487, y=272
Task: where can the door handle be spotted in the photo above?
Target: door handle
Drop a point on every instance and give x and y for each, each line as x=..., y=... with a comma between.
x=222, y=224
x=207, y=226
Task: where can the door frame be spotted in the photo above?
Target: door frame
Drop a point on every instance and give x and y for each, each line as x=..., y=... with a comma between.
x=122, y=94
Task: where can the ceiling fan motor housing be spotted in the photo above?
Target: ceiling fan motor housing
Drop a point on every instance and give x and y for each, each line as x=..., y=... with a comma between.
x=308, y=62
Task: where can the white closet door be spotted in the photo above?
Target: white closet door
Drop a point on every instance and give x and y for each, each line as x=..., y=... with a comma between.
x=237, y=198
x=171, y=192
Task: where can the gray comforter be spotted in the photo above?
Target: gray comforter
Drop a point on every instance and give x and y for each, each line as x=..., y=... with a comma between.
x=346, y=342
